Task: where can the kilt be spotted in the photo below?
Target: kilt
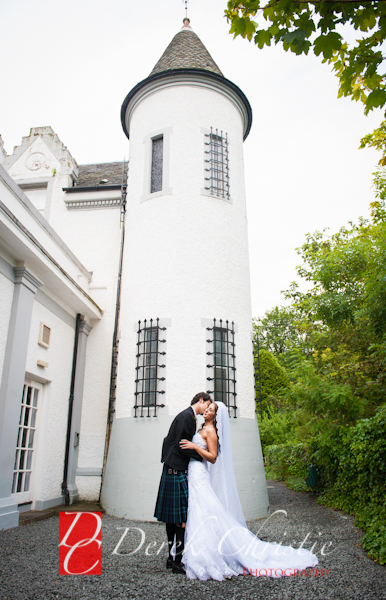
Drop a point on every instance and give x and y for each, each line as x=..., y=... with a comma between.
x=172, y=499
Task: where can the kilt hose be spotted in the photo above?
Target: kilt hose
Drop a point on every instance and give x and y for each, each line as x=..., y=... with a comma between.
x=172, y=499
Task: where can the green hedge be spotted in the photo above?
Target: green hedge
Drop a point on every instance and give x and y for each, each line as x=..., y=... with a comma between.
x=351, y=466
x=358, y=486
x=288, y=462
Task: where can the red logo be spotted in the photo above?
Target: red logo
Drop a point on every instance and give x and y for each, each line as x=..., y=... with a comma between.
x=80, y=543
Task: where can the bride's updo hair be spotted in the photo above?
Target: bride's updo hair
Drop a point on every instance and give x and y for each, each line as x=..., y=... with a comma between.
x=214, y=425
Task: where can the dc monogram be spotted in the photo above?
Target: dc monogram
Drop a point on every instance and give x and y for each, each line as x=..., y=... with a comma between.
x=80, y=543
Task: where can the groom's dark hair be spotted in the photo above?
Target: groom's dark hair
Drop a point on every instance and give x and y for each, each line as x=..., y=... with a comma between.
x=198, y=397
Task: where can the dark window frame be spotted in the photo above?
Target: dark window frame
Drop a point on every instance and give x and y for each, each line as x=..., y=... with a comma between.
x=217, y=161
x=148, y=368
x=224, y=364
x=157, y=160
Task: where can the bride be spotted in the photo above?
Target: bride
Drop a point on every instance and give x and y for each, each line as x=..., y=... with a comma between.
x=218, y=544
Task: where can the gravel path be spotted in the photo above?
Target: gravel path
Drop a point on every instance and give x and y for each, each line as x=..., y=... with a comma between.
x=29, y=561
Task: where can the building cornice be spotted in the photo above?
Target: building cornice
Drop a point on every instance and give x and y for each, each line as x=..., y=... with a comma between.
x=19, y=271
x=91, y=204
x=24, y=200
x=196, y=77
x=91, y=188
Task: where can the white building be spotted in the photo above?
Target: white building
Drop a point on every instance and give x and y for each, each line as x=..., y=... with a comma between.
x=174, y=298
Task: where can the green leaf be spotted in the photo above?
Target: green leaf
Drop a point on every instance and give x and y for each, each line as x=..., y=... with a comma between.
x=263, y=38
x=328, y=44
x=375, y=99
x=250, y=28
x=298, y=34
x=238, y=27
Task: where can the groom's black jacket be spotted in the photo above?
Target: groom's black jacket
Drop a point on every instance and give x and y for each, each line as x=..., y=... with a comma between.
x=182, y=428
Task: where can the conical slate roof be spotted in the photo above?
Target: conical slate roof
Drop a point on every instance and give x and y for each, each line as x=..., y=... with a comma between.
x=186, y=51
x=186, y=60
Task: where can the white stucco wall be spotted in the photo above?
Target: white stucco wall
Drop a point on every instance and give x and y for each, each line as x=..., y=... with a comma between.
x=53, y=409
x=186, y=260
x=94, y=235
x=6, y=296
x=89, y=488
x=94, y=238
x=186, y=254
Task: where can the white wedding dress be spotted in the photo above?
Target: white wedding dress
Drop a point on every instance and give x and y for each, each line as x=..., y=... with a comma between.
x=218, y=544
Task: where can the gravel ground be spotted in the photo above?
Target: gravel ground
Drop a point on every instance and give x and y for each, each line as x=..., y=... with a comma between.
x=29, y=561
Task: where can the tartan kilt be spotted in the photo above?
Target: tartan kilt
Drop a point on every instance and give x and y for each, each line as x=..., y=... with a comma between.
x=172, y=499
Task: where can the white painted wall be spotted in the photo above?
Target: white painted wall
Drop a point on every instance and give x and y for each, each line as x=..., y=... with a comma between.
x=53, y=409
x=186, y=259
x=94, y=237
x=89, y=488
x=186, y=254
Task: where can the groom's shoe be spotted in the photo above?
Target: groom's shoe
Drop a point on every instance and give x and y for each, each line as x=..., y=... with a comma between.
x=178, y=568
x=169, y=562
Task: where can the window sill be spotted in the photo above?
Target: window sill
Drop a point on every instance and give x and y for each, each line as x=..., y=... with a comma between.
x=205, y=192
x=164, y=192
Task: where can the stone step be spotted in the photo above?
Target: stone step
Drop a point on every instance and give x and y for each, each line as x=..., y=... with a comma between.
x=32, y=516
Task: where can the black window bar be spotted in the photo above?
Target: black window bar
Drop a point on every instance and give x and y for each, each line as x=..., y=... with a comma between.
x=218, y=164
x=257, y=374
x=148, y=365
x=224, y=370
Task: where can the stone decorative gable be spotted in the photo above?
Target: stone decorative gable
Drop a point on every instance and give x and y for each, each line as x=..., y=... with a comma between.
x=40, y=155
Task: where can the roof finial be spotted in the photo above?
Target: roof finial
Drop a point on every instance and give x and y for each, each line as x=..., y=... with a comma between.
x=186, y=8
x=186, y=21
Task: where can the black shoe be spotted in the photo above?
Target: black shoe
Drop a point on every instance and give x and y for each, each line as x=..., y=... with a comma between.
x=169, y=562
x=178, y=568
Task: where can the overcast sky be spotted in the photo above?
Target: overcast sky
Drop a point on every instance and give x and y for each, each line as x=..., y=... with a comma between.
x=70, y=65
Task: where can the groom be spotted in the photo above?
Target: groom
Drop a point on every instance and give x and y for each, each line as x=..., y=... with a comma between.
x=172, y=501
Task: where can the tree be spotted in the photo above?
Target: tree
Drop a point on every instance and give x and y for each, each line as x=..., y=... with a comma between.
x=346, y=304
x=300, y=25
x=280, y=330
x=273, y=379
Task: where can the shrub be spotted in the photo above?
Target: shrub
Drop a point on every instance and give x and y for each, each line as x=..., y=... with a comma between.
x=273, y=377
x=351, y=466
x=275, y=427
x=358, y=483
x=287, y=460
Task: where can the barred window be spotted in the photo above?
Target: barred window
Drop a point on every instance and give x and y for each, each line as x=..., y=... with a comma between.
x=148, y=368
x=217, y=161
x=223, y=369
x=157, y=155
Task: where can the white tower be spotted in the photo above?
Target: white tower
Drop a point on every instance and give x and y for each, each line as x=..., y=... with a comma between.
x=185, y=322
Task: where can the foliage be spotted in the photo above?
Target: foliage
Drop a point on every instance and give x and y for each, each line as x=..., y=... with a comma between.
x=328, y=402
x=357, y=462
x=376, y=140
x=281, y=330
x=351, y=472
x=332, y=413
x=276, y=427
x=287, y=461
x=273, y=378
x=300, y=26
x=346, y=305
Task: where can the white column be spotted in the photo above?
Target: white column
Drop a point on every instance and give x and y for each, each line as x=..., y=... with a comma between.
x=11, y=388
